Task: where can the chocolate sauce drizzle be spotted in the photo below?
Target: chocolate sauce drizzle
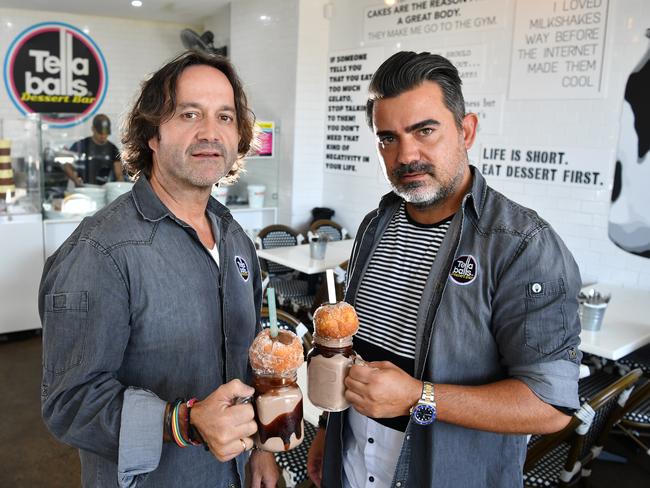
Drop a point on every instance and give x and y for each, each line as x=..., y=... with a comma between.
x=282, y=426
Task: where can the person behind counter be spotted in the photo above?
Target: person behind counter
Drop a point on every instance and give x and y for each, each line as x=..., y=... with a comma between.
x=467, y=304
x=98, y=159
x=157, y=297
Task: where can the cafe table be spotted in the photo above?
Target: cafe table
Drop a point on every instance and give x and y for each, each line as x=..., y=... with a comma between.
x=297, y=257
x=626, y=323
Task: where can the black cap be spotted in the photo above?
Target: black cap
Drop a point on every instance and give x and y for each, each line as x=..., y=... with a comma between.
x=102, y=124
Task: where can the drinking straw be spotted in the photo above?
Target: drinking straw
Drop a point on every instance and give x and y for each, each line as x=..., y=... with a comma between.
x=273, y=315
x=331, y=292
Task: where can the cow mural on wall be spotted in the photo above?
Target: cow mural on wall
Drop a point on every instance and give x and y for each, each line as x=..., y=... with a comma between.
x=629, y=222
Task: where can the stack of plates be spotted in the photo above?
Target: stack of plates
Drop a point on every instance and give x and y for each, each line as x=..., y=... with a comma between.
x=116, y=188
x=96, y=193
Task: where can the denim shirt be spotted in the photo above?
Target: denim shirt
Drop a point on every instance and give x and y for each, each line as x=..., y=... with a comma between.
x=511, y=314
x=135, y=313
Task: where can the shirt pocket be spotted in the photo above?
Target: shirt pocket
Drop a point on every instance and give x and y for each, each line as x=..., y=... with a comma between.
x=545, y=321
x=66, y=317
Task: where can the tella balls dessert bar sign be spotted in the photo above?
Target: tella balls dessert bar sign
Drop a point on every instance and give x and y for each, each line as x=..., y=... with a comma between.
x=56, y=70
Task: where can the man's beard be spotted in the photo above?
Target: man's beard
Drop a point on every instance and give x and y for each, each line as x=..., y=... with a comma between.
x=422, y=194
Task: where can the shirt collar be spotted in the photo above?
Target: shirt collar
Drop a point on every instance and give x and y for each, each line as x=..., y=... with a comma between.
x=152, y=209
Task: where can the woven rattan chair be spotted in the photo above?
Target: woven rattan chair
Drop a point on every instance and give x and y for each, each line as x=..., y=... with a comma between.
x=562, y=458
x=328, y=227
x=285, y=280
x=294, y=462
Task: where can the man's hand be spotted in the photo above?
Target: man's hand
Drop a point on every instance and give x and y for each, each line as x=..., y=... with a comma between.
x=226, y=427
x=315, y=457
x=380, y=389
x=264, y=470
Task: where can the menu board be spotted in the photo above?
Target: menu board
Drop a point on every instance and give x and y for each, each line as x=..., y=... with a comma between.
x=558, y=49
x=349, y=143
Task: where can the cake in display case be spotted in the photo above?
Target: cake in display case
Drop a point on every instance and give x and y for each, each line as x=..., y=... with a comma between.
x=20, y=167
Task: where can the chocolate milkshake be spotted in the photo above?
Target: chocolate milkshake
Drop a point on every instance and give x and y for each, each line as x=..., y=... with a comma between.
x=330, y=359
x=278, y=399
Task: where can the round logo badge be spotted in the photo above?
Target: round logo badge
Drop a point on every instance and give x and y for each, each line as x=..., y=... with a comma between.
x=242, y=266
x=53, y=68
x=464, y=270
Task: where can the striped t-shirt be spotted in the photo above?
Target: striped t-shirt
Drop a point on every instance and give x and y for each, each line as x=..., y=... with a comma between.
x=390, y=293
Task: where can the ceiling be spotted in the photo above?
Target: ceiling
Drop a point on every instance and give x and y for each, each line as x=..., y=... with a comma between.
x=179, y=11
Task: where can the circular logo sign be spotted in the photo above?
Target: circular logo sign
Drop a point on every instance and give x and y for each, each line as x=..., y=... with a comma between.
x=464, y=270
x=56, y=70
x=242, y=267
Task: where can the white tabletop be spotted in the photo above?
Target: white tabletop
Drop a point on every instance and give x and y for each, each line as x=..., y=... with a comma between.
x=297, y=257
x=626, y=324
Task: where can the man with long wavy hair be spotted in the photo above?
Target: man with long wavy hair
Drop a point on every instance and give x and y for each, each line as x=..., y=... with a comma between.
x=149, y=308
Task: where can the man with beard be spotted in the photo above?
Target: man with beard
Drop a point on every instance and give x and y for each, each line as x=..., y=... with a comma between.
x=467, y=305
x=153, y=302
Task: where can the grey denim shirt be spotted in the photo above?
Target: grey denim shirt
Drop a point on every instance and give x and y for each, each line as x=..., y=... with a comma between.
x=511, y=314
x=136, y=313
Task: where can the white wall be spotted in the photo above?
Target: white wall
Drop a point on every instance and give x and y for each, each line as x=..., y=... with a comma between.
x=263, y=40
x=131, y=49
x=586, y=129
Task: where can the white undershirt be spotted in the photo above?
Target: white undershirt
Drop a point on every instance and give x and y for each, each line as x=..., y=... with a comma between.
x=214, y=252
x=365, y=460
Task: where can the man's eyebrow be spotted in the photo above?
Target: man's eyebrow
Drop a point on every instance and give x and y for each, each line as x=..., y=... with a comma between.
x=410, y=128
x=184, y=105
x=421, y=124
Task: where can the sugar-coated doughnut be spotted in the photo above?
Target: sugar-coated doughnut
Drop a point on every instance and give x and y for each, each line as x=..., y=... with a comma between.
x=276, y=355
x=336, y=320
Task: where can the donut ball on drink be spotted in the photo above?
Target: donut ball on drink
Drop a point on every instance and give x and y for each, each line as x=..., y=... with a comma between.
x=276, y=355
x=336, y=320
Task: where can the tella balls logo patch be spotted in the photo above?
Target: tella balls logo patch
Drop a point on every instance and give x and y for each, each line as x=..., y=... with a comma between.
x=54, y=68
x=464, y=270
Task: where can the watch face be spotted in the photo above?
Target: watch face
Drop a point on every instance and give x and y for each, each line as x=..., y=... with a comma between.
x=424, y=414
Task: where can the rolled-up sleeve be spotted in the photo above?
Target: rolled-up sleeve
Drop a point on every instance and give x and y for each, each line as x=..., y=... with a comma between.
x=141, y=434
x=535, y=318
x=84, y=308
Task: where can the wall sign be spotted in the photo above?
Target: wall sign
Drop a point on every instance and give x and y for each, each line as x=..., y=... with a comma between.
x=349, y=143
x=57, y=70
x=431, y=17
x=265, y=131
x=558, y=49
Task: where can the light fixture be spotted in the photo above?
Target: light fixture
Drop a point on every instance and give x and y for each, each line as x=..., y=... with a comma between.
x=136, y=3
x=264, y=17
x=390, y=3
x=9, y=24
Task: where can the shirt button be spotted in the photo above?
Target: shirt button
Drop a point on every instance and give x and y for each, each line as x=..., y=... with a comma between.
x=371, y=479
x=371, y=440
x=398, y=484
x=408, y=437
x=537, y=287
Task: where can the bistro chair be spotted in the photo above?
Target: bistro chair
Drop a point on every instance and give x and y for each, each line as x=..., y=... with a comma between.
x=637, y=359
x=563, y=458
x=635, y=422
x=294, y=462
x=328, y=227
x=305, y=306
x=285, y=280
